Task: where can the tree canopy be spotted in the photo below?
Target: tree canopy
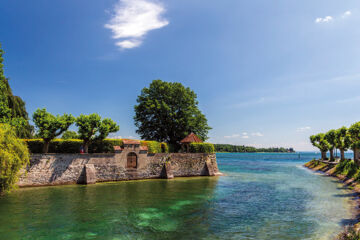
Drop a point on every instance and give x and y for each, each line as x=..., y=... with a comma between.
x=50, y=126
x=12, y=108
x=168, y=112
x=14, y=155
x=342, y=141
x=330, y=137
x=320, y=142
x=91, y=127
x=69, y=135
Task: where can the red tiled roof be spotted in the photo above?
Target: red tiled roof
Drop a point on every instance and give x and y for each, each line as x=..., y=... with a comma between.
x=143, y=148
x=117, y=148
x=131, y=142
x=191, y=138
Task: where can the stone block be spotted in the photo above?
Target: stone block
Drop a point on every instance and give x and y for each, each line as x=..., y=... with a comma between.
x=90, y=174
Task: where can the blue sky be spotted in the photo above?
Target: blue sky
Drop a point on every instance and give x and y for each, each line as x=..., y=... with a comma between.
x=267, y=73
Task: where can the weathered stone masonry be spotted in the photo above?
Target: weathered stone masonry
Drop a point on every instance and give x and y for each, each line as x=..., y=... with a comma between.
x=57, y=169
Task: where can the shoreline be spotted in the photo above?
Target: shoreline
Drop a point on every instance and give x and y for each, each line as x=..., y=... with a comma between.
x=328, y=169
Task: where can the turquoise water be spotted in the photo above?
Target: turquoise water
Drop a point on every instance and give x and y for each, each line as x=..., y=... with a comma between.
x=262, y=196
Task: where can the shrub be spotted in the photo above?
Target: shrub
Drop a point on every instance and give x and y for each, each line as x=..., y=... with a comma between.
x=13, y=156
x=349, y=234
x=155, y=147
x=73, y=145
x=347, y=168
x=202, y=148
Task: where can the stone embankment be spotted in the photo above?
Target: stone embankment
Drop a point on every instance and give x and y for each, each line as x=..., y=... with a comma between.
x=59, y=169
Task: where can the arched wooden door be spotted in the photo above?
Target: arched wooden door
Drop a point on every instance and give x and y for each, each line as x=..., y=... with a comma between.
x=131, y=160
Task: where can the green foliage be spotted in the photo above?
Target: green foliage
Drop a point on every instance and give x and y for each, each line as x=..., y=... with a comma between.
x=12, y=108
x=330, y=137
x=320, y=142
x=73, y=145
x=347, y=168
x=237, y=148
x=202, y=148
x=70, y=135
x=155, y=147
x=50, y=126
x=342, y=139
x=13, y=156
x=92, y=128
x=354, y=132
x=168, y=112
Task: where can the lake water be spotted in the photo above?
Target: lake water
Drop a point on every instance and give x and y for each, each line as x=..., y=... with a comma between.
x=262, y=196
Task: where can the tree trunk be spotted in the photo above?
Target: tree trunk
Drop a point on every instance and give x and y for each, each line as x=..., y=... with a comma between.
x=323, y=155
x=46, y=146
x=332, y=155
x=356, y=156
x=86, y=147
x=342, y=153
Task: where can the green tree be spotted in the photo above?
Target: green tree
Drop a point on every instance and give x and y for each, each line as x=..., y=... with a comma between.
x=330, y=137
x=92, y=128
x=354, y=132
x=70, y=135
x=168, y=112
x=12, y=108
x=342, y=141
x=50, y=126
x=14, y=155
x=320, y=142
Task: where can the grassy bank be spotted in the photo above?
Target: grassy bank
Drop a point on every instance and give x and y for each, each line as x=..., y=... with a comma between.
x=349, y=173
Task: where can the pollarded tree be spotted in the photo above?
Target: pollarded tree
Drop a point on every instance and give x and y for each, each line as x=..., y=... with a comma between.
x=91, y=128
x=342, y=141
x=330, y=137
x=14, y=155
x=168, y=112
x=50, y=126
x=320, y=142
x=354, y=132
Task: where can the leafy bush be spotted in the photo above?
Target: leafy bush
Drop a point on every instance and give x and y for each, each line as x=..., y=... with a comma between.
x=347, y=168
x=155, y=147
x=73, y=145
x=13, y=156
x=202, y=148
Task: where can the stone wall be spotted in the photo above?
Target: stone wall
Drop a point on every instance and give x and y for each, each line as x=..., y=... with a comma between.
x=58, y=169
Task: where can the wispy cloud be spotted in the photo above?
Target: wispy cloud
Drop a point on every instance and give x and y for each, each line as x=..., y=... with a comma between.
x=303, y=129
x=133, y=19
x=324, y=20
x=257, y=134
x=329, y=19
x=346, y=14
x=243, y=135
x=232, y=136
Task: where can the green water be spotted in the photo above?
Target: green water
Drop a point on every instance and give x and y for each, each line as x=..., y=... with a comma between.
x=262, y=196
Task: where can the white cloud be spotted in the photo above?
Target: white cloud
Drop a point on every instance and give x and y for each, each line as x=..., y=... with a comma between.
x=245, y=136
x=303, y=129
x=346, y=14
x=328, y=19
x=133, y=19
x=257, y=134
x=232, y=136
x=324, y=20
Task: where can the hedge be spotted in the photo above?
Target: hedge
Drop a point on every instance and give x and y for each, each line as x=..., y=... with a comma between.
x=74, y=145
x=107, y=146
x=202, y=148
x=155, y=147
